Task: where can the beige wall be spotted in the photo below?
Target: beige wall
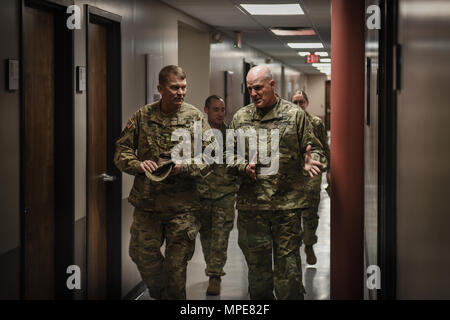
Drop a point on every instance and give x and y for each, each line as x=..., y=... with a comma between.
x=316, y=94
x=193, y=57
x=294, y=81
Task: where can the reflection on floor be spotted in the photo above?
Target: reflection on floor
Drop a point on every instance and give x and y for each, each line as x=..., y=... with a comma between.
x=316, y=279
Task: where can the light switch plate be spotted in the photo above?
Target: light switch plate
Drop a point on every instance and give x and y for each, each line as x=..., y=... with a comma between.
x=81, y=79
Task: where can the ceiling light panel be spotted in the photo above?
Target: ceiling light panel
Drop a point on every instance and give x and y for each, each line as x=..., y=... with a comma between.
x=310, y=45
x=273, y=9
x=304, y=53
x=301, y=32
x=322, y=53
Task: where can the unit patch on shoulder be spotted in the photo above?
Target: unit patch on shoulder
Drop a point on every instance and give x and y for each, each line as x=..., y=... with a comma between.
x=129, y=123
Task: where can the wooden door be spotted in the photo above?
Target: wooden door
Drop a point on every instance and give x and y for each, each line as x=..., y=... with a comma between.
x=97, y=148
x=38, y=154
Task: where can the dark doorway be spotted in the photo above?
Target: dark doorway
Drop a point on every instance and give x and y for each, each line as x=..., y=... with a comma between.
x=47, y=142
x=387, y=151
x=103, y=179
x=247, y=67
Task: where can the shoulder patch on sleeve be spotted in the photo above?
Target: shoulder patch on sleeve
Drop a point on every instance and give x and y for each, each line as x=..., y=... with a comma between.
x=129, y=123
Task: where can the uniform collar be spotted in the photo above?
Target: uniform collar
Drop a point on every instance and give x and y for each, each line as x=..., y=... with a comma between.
x=274, y=113
x=162, y=118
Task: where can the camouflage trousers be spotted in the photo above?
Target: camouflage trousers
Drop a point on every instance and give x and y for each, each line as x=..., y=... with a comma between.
x=310, y=220
x=216, y=218
x=262, y=233
x=165, y=276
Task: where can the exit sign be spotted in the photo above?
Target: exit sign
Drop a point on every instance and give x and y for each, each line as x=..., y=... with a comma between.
x=312, y=58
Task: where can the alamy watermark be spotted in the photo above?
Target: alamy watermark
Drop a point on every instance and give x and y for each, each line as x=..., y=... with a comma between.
x=74, y=20
x=374, y=279
x=261, y=150
x=74, y=280
x=374, y=20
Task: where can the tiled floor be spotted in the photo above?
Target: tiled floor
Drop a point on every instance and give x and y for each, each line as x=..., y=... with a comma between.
x=316, y=279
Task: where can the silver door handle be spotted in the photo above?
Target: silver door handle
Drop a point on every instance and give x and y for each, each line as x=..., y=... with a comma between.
x=107, y=177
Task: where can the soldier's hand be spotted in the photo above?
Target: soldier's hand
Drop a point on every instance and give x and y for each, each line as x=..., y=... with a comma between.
x=250, y=170
x=311, y=165
x=176, y=170
x=148, y=165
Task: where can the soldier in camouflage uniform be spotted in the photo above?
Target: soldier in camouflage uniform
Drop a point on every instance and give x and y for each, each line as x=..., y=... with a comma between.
x=309, y=213
x=268, y=205
x=217, y=196
x=164, y=211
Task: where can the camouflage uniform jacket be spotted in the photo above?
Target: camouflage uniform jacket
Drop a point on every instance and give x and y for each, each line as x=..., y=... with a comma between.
x=321, y=133
x=284, y=190
x=147, y=135
x=315, y=183
x=219, y=183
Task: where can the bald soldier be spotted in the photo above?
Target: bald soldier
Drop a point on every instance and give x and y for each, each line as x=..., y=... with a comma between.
x=165, y=208
x=268, y=202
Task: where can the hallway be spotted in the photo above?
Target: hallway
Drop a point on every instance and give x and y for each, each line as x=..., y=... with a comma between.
x=76, y=72
x=316, y=279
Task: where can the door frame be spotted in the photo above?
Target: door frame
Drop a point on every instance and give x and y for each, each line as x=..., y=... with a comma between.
x=64, y=147
x=114, y=127
x=387, y=152
x=327, y=118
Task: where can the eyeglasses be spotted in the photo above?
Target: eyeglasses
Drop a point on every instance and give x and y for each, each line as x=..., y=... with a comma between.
x=299, y=102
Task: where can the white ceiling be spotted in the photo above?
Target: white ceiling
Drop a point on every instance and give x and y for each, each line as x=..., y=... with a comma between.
x=226, y=17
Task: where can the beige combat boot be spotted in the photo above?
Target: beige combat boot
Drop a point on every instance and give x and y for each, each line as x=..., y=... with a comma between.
x=214, y=286
x=310, y=256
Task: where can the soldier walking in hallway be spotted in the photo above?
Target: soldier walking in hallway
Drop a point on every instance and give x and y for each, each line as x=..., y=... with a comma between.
x=217, y=196
x=165, y=206
x=309, y=214
x=268, y=220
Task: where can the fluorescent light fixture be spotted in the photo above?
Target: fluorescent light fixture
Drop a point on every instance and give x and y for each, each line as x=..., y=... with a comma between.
x=371, y=45
x=325, y=60
x=321, y=65
x=293, y=32
x=273, y=9
x=304, y=54
x=305, y=45
x=322, y=53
